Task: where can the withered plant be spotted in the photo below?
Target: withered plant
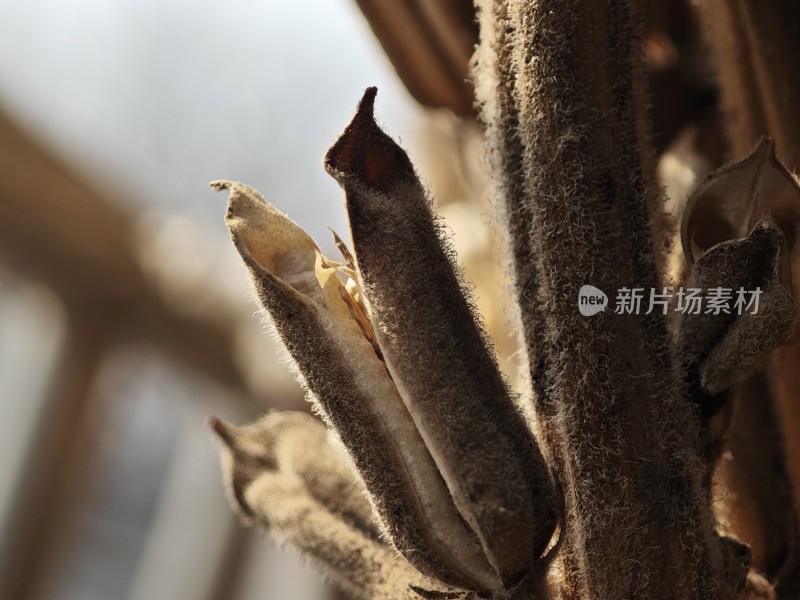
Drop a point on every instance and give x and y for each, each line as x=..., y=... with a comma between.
x=647, y=456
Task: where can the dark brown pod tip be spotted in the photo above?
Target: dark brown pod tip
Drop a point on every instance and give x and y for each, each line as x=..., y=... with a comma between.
x=364, y=151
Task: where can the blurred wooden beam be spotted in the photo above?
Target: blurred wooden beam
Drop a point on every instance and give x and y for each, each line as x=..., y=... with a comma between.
x=55, y=228
x=57, y=468
x=430, y=44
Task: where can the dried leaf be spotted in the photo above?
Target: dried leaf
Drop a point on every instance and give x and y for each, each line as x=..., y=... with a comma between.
x=344, y=250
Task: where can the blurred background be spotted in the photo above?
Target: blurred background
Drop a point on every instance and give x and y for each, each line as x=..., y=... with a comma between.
x=125, y=314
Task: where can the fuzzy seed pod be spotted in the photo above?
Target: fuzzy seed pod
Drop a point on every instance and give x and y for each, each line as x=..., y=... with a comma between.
x=320, y=321
x=283, y=473
x=453, y=390
x=729, y=346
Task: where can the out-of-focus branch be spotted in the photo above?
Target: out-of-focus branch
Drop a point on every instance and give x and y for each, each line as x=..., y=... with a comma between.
x=430, y=43
x=757, y=47
x=755, y=472
x=57, y=468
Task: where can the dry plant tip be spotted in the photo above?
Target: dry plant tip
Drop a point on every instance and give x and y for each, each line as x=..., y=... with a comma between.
x=365, y=152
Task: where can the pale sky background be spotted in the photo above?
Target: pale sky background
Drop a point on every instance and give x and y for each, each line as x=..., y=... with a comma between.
x=154, y=98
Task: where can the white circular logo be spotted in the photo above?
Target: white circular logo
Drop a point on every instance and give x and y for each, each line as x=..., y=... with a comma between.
x=591, y=300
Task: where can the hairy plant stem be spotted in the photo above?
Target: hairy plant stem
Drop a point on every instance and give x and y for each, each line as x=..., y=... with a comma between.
x=566, y=119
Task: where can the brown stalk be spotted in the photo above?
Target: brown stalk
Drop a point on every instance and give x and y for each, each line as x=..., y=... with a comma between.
x=638, y=521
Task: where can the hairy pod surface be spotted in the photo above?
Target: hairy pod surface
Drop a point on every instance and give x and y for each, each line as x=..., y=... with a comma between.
x=354, y=392
x=437, y=353
x=283, y=473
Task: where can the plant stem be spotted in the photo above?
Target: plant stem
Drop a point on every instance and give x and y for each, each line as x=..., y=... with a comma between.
x=567, y=120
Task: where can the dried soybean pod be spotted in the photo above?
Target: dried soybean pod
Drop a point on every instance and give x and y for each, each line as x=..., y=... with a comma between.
x=352, y=389
x=436, y=351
